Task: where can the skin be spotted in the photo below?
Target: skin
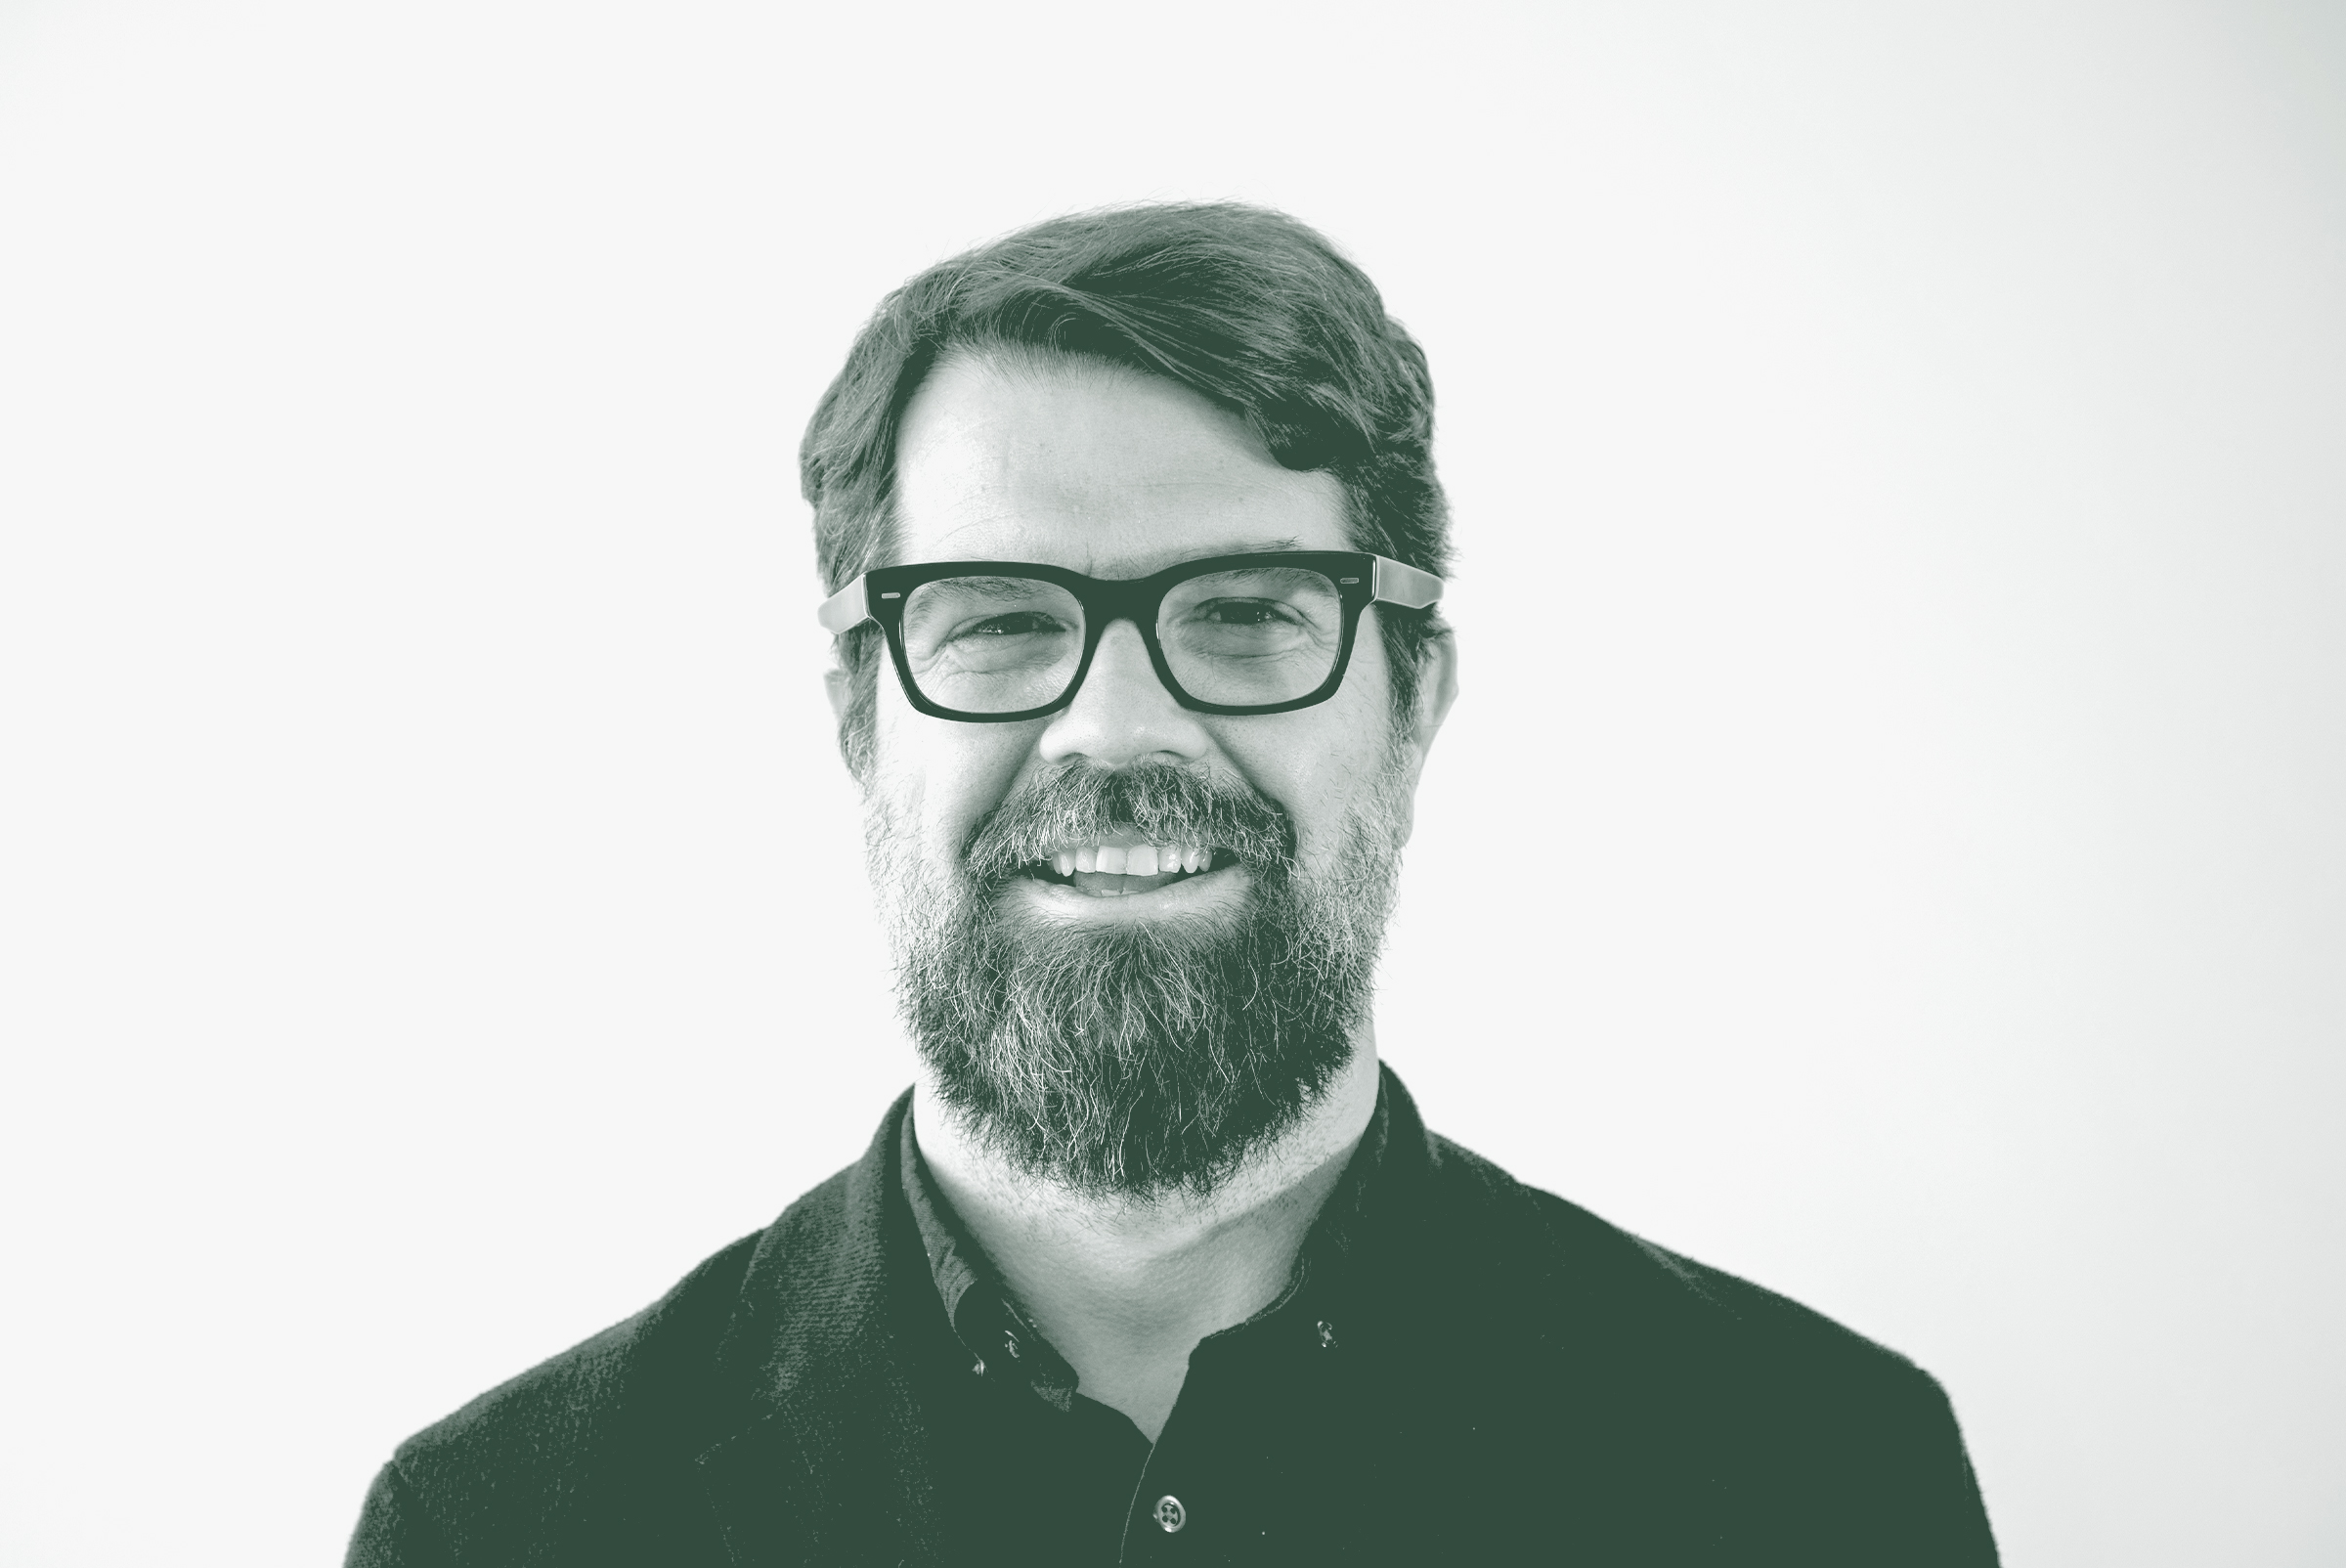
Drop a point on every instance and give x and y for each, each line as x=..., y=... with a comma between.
x=1117, y=476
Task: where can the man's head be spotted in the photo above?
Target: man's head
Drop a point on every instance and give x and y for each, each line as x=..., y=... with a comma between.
x=1116, y=395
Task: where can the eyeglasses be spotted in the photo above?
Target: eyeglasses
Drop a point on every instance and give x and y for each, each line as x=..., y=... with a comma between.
x=996, y=642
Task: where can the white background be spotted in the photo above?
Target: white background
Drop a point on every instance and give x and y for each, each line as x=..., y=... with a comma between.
x=1893, y=843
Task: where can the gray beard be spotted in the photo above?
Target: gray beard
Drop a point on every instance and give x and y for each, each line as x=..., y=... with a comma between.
x=1137, y=1058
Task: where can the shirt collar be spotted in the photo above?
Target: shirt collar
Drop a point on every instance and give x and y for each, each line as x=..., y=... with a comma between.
x=1000, y=1338
x=1003, y=1342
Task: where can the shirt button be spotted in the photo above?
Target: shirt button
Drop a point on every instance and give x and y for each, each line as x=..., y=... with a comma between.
x=1009, y=1342
x=1327, y=1334
x=1170, y=1514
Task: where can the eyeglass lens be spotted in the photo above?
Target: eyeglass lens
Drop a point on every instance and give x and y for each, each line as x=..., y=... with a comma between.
x=1252, y=637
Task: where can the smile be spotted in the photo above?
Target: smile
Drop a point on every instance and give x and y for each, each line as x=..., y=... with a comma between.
x=1120, y=870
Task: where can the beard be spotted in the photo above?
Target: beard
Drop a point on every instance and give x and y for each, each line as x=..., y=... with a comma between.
x=1137, y=1058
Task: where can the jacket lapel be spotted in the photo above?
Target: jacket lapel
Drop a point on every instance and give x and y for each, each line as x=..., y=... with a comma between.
x=829, y=1460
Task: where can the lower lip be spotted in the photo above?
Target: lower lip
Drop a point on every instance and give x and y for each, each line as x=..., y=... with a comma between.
x=1199, y=891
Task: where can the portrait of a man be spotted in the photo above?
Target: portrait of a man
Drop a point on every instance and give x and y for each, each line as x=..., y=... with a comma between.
x=1135, y=552
x=1270, y=783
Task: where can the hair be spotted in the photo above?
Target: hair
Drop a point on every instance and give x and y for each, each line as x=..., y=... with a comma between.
x=1245, y=306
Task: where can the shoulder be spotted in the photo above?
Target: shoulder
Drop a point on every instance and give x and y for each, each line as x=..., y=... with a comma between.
x=1687, y=1382
x=600, y=1373
x=610, y=1424
x=1575, y=1278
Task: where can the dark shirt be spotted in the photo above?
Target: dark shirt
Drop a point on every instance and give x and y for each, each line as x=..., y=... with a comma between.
x=1503, y=1378
x=1067, y=1479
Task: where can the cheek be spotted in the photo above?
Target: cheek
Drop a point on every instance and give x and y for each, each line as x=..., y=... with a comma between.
x=941, y=776
x=1326, y=794
x=1320, y=772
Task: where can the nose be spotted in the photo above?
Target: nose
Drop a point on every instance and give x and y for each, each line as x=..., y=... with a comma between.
x=1123, y=714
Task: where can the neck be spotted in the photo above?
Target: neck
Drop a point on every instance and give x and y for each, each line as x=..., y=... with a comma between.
x=1125, y=1287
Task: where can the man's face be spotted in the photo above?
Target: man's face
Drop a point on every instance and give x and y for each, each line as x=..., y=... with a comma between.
x=1118, y=475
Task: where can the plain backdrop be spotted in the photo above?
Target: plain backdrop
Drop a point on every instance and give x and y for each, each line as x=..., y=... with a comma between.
x=1891, y=843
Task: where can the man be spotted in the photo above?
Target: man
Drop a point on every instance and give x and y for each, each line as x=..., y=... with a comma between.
x=1134, y=544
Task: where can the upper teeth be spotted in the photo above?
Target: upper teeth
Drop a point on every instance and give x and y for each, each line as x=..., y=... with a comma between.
x=1135, y=860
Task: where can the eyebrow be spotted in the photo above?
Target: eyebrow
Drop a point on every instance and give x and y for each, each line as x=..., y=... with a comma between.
x=1156, y=561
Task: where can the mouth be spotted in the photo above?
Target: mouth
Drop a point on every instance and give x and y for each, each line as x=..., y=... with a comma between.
x=1120, y=868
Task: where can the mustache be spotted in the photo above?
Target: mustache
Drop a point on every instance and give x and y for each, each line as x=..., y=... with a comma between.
x=1078, y=802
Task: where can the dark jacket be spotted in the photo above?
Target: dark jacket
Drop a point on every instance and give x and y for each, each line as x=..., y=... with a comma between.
x=1534, y=1386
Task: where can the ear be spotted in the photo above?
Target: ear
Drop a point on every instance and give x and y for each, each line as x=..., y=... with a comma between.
x=1437, y=689
x=840, y=687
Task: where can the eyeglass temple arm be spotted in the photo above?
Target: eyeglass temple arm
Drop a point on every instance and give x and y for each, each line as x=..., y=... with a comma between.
x=1405, y=586
x=843, y=612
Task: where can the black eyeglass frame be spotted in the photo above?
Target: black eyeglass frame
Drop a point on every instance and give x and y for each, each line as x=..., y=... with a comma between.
x=1361, y=580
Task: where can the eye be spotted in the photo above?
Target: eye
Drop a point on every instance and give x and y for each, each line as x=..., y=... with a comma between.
x=1245, y=612
x=1019, y=623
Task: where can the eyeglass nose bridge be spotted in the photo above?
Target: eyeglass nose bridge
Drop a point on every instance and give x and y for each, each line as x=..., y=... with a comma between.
x=1138, y=601
x=1105, y=603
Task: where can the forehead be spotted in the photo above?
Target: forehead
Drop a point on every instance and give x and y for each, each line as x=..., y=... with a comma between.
x=1088, y=465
